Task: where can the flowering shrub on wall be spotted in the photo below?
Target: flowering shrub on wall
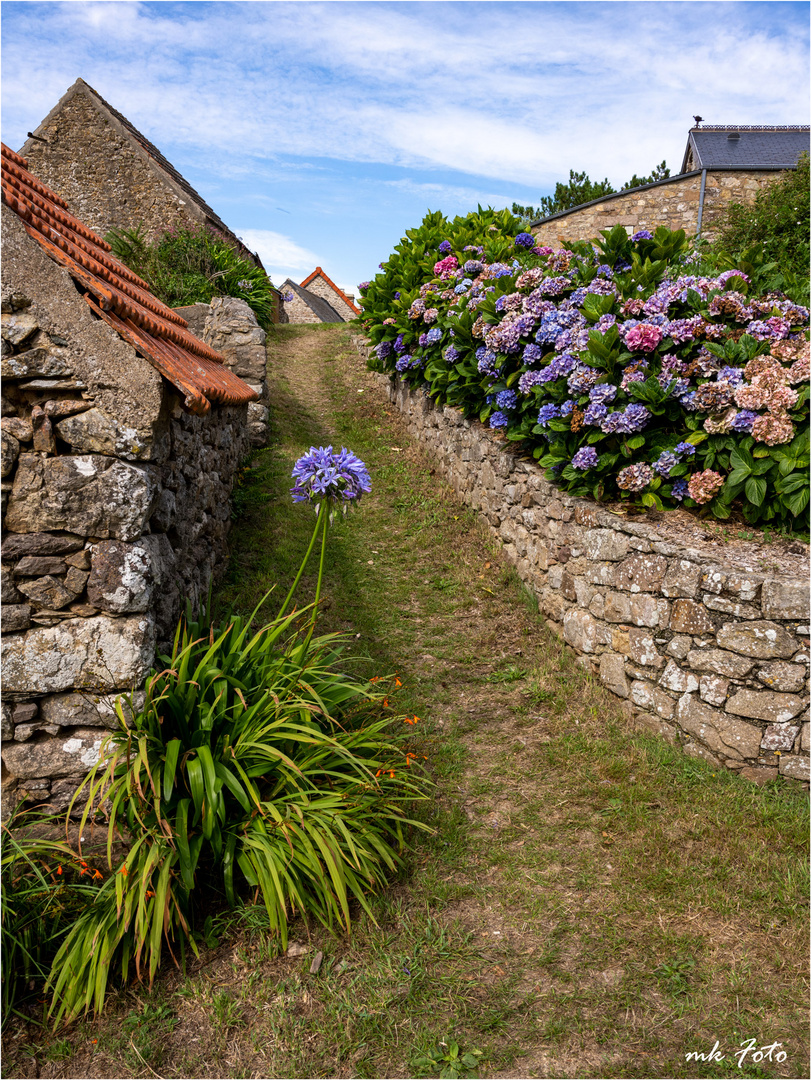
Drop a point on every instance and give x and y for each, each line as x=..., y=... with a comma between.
x=625, y=374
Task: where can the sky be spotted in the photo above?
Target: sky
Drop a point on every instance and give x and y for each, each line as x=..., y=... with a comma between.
x=320, y=132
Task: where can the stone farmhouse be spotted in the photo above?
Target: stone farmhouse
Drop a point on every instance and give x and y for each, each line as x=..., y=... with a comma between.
x=316, y=299
x=110, y=174
x=722, y=164
x=121, y=436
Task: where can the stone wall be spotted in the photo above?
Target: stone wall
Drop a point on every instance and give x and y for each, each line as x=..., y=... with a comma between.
x=700, y=650
x=296, y=311
x=116, y=507
x=673, y=204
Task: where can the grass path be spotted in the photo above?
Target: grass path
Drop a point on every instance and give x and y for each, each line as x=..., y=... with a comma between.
x=593, y=903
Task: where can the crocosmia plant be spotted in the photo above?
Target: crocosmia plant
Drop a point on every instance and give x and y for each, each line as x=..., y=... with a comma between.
x=627, y=368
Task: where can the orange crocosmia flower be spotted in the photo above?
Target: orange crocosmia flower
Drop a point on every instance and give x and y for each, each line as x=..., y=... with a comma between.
x=397, y=680
x=391, y=773
x=375, y=678
x=98, y=876
x=385, y=703
x=124, y=871
x=59, y=870
x=379, y=771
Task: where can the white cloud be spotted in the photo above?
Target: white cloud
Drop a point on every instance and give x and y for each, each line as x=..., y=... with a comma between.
x=281, y=256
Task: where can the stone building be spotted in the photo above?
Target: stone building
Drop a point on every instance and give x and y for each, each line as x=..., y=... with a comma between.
x=121, y=436
x=316, y=299
x=110, y=175
x=721, y=165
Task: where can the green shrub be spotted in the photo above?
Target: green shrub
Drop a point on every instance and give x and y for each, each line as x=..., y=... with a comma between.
x=194, y=264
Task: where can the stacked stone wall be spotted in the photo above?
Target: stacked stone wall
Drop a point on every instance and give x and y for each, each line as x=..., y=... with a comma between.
x=674, y=205
x=704, y=653
x=323, y=289
x=296, y=312
x=116, y=512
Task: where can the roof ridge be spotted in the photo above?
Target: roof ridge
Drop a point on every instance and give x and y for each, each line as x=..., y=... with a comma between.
x=330, y=282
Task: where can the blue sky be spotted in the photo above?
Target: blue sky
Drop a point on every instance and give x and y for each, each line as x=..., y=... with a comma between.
x=320, y=132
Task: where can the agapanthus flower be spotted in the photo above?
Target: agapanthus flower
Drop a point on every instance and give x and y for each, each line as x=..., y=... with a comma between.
x=524, y=240
x=634, y=477
x=498, y=420
x=641, y=234
x=704, y=486
x=507, y=399
x=323, y=474
x=585, y=458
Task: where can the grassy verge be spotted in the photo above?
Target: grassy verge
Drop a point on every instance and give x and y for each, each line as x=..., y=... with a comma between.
x=593, y=903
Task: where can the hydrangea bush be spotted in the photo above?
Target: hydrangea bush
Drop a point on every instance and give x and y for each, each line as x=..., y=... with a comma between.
x=624, y=372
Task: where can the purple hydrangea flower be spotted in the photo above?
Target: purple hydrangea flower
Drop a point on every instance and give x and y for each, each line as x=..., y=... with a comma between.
x=473, y=266
x=530, y=379
x=732, y=375
x=487, y=360
x=743, y=420
x=585, y=458
x=399, y=343
x=637, y=417
x=679, y=489
x=451, y=354
x=594, y=414
x=566, y=408
x=641, y=234
x=684, y=448
x=498, y=419
x=524, y=240
x=445, y=247
x=547, y=413
x=323, y=474
x=433, y=336
x=383, y=350
x=665, y=463
x=403, y=363
x=507, y=399
x=602, y=393
x=531, y=354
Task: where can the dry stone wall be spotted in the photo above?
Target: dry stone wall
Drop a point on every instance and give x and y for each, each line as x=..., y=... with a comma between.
x=673, y=204
x=321, y=288
x=116, y=512
x=711, y=655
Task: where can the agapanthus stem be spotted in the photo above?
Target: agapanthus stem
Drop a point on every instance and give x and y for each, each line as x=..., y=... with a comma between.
x=320, y=574
x=323, y=513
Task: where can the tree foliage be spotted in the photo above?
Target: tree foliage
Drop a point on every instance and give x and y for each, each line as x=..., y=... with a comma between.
x=580, y=189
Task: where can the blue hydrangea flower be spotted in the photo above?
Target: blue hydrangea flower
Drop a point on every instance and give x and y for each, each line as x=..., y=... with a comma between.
x=383, y=350
x=585, y=458
x=451, y=354
x=525, y=240
x=531, y=354
x=743, y=420
x=445, y=247
x=487, y=360
x=323, y=474
x=547, y=413
x=637, y=417
x=507, y=399
x=498, y=419
x=684, y=448
x=679, y=489
x=732, y=375
x=566, y=408
x=403, y=364
x=433, y=336
x=665, y=463
x=594, y=414
x=399, y=344
x=602, y=393
x=642, y=234
x=473, y=266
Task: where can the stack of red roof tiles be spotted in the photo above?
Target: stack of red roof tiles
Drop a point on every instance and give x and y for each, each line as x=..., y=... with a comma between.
x=119, y=296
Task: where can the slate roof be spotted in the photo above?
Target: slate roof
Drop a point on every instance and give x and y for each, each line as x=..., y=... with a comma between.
x=117, y=295
x=154, y=153
x=318, y=271
x=756, y=147
x=318, y=306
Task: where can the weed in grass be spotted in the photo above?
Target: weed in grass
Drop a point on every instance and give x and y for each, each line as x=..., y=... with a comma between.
x=446, y=1059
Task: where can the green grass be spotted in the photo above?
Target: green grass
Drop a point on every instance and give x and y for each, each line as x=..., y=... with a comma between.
x=592, y=903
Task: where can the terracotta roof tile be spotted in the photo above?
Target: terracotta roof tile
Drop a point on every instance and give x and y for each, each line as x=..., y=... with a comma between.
x=318, y=271
x=119, y=296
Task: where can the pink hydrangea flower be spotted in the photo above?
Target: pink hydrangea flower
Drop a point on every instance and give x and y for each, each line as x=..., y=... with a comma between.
x=772, y=429
x=446, y=266
x=704, y=486
x=799, y=371
x=643, y=338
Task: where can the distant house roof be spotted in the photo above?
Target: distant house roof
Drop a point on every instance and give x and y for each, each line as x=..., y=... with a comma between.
x=157, y=157
x=318, y=272
x=117, y=295
x=318, y=306
x=721, y=146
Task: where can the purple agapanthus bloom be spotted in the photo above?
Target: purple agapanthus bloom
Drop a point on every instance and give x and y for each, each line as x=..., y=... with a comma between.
x=498, y=419
x=524, y=240
x=679, y=489
x=547, y=413
x=323, y=474
x=684, y=448
x=641, y=234
x=585, y=458
x=507, y=399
